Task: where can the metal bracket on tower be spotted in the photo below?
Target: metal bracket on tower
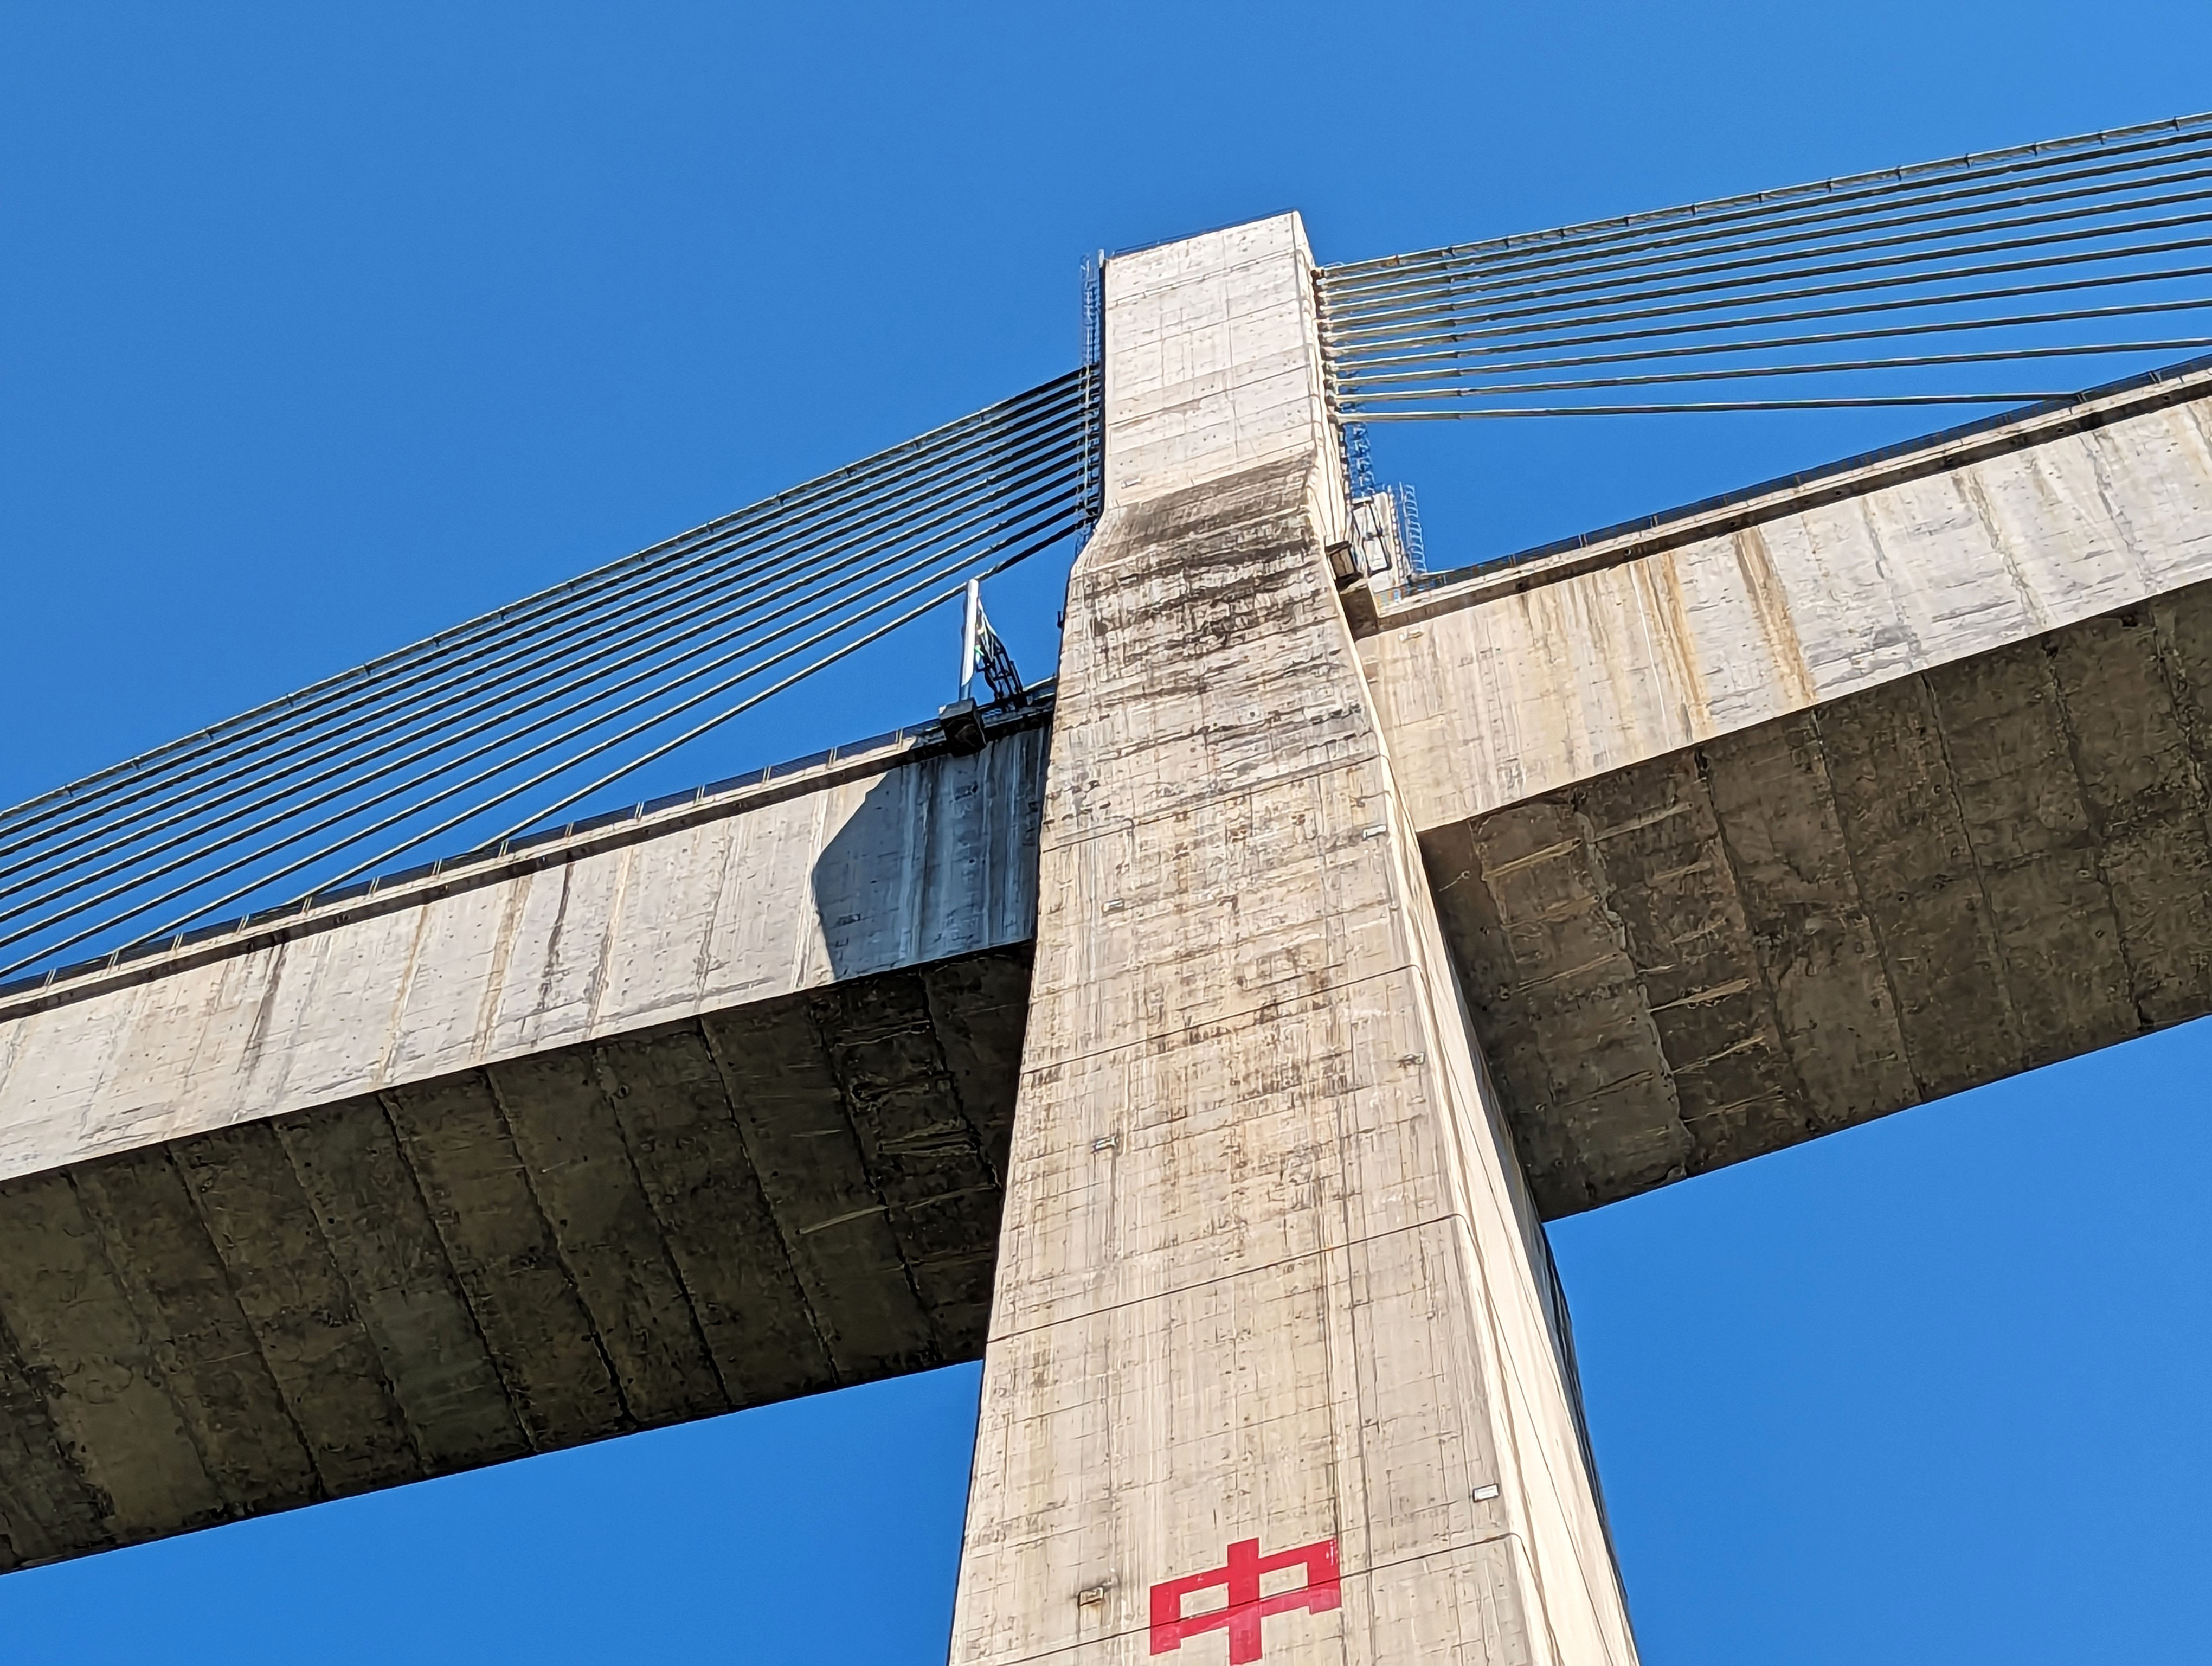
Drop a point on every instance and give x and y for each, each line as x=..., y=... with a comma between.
x=980, y=652
x=1094, y=385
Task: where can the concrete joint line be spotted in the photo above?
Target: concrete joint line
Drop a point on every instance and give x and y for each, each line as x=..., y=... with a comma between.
x=1241, y=1015
x=1453, y=1547
x=1371, y=754
x=1166, y=1291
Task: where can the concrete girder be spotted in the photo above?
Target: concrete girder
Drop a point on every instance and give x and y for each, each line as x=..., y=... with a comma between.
x=632, y=1130
x=1931, y=884
x=1829, y=801
x=735, y=1208
x=839, y=871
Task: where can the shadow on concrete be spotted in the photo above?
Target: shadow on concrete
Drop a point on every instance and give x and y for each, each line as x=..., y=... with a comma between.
x=871, y=878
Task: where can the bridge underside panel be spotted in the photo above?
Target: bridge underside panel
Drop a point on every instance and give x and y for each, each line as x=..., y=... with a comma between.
x=729, y=1209
x=1934, y=884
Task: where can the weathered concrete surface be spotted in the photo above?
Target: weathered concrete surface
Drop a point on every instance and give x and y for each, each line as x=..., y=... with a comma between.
x=755, y=1203
x=640, y=1134
x=1516, y=683
x=1894, y=786
x=1937, y=882
x=1268, y=1272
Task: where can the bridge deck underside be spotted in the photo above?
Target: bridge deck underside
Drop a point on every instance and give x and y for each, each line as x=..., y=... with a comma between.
x=1791, y=929
x=740, y=1208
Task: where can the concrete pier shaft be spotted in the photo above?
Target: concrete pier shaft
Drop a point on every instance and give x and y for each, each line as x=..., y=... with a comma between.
x=1276, y=1368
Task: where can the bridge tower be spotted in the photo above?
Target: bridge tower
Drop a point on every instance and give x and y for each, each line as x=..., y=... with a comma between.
x=1115, y=1036
x=1277, y=1360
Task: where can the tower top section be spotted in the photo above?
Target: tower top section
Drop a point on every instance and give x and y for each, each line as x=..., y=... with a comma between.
x=1213, y=366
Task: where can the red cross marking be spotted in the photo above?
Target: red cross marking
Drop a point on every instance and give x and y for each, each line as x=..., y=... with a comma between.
x=1241, y=1616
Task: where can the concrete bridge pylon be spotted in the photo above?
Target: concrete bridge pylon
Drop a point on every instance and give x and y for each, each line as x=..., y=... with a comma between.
x=1277, y=1367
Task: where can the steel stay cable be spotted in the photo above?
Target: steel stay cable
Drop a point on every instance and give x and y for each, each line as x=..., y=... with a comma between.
x=967, y=544
x=996, y=481
x=964, y=559
x=1748, y=405
x=905, y=532
x=900, y=539
x=998, y=475
x=2156, y=173
x=1447, y=306
x=750, y=701
x=1345, y=328
x=992, y=477
x=984, y=457
x=1862, y=286
x=1446, y=349
x=1351, y=300
x=517, y=611
x=2009, y=292
x=782, y=508
x=1072, y=514
x=1575, y=322
x=720, y=717
x=565, y=676
x=901, y=550
x=1880, y=184
x=1442, y=369
x=1660, y=292
x=1543, y=329
x=1742, y=372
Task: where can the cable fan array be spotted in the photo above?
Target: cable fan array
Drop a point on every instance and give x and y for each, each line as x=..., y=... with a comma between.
x=545, y=703
x=1776, y=301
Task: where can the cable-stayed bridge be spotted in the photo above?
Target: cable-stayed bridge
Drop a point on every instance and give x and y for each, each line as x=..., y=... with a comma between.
x=1200, y=1039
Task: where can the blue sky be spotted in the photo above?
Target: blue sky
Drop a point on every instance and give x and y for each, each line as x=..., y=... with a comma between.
x=320, y=330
